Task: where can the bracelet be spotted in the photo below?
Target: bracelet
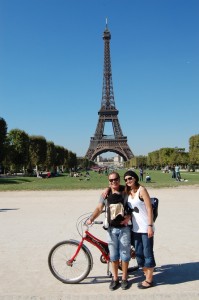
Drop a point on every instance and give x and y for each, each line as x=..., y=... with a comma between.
x=150, y=225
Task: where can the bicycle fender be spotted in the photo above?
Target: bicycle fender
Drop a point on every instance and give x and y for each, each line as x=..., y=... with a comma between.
x=86, y=249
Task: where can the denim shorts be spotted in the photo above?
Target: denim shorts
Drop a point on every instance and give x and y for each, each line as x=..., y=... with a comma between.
x=119, y=243
x=144, y=250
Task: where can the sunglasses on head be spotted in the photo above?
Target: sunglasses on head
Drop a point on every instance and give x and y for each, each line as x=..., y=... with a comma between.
x=129, y=178
x=114, y=179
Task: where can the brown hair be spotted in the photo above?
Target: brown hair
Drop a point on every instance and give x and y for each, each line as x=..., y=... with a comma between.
x=118, y=176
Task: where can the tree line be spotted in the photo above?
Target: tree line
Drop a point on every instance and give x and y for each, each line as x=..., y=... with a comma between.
x=170, y=157
x=20, y=152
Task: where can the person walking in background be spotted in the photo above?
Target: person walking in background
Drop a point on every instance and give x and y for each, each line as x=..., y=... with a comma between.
x=143, y=228
x=119, y=234
x=173, y=171
x=177, y=173
x=141, y=173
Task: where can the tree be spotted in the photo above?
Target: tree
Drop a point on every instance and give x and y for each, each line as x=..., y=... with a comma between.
x=72, y=160
x=37, y=151
x=194, y=149
x=3, y=134
x=60, y=156
x=136, y=161
x=84, y=163
x=18, y=148
x=65, y=159
x=51, y=156
x=165, y=155
x=153, y=159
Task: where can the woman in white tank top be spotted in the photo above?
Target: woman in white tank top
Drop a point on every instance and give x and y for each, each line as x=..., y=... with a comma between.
x=143, y=228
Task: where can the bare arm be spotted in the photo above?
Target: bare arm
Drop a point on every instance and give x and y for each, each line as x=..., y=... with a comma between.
x=145, y=196
x=96, y=213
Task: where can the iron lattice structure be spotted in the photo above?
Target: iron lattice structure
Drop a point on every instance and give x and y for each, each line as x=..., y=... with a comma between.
x=102, y=143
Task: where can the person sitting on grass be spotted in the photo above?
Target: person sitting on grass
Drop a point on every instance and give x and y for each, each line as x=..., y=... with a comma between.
x=148, y=178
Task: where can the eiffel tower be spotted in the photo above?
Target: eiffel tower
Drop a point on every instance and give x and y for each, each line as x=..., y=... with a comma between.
x=101, y=143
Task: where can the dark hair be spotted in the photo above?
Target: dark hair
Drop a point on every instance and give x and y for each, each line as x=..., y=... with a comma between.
x=118, y=176
x=134, y=175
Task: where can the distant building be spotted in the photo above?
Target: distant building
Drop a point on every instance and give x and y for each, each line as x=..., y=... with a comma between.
x=116, y=161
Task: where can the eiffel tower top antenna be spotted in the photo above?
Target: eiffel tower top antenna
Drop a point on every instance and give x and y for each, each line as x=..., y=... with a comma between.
x=107, y=102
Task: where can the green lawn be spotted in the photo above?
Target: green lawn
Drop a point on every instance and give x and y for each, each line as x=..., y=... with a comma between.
x=64, y=182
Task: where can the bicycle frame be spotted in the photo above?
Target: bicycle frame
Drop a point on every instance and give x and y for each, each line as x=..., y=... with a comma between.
x=101, y=245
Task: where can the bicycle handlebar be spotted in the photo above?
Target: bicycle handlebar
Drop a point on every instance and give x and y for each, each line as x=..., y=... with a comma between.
x=98, y=222
x=93, y=223
x=82, y=221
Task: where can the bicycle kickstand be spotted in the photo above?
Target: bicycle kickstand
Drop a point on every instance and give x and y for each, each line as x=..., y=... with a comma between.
x=109, y=274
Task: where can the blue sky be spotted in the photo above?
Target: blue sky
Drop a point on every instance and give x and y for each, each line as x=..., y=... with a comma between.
x=51, y=69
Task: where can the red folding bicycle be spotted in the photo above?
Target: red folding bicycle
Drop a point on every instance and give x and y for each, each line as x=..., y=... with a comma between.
x=71, y=261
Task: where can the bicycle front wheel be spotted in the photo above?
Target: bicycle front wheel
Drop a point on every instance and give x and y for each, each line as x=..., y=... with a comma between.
x=61, y=266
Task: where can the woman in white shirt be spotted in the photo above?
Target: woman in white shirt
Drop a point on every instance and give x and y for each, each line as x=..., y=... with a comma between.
x=143, y=228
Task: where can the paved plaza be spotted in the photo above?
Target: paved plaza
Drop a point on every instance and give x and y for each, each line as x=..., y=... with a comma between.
x=32, y=222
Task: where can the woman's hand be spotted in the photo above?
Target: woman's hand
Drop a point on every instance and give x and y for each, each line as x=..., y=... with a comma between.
x=105, y=192
x=150, y=231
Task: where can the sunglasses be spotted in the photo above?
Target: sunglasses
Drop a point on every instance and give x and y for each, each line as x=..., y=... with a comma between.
x=114, y=179
x=129, y=178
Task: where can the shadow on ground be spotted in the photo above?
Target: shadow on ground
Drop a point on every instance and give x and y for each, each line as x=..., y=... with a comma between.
x=176, y=273
x=7, y=209
x=166, y=274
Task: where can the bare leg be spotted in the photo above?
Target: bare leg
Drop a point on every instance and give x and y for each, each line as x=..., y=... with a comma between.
x=115, y=265
x=148, y=272
x=124, y=270
x=144, y=270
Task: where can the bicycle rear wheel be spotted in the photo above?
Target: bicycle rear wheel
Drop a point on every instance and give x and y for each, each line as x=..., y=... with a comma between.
x=61, y=267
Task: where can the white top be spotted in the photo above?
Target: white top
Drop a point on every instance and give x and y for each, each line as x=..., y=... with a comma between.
x=140, y=216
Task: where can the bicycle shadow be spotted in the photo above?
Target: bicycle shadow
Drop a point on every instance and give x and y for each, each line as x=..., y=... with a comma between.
x=96, y=279
x=166, y=274
x=107, y=279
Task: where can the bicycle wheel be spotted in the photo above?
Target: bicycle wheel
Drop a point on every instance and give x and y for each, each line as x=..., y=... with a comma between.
x=60, y=266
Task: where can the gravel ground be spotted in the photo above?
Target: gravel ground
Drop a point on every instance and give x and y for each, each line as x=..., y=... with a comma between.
x=32, y=222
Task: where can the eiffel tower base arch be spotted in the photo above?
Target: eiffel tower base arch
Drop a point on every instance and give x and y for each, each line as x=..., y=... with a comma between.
x=118, y=146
